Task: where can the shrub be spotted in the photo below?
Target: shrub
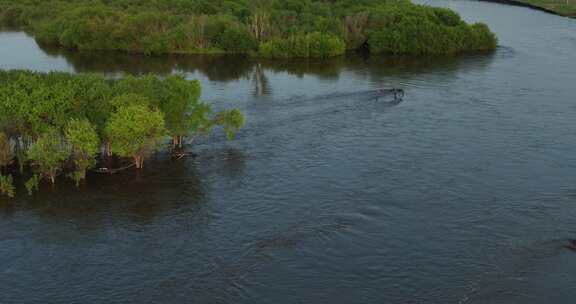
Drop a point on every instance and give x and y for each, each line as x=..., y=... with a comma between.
x=281, y=27
x=314, y=45
x=7, y=185
x=48, y=154
x=5, y=151
x=236, y=40
x=81, y=135
x=447, y=17
x=415, y=36
x=60, y=120
x=135, y=131
x=32, y=184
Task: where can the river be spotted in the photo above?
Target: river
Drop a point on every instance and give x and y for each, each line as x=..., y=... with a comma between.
x=462, y=193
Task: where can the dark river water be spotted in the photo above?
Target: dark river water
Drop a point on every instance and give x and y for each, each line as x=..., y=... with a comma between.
x=462, y=193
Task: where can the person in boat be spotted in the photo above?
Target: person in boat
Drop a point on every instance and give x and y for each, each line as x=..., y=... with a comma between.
x=398, y=93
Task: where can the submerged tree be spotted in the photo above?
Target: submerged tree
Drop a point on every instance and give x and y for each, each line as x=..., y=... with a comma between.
x=135, y=131
x=48, y=154
x=231, y=121
x=7, y=185
x=81, y=135
x=200, y=120
x=32, y=184
x=181, y=108
x=52, y=123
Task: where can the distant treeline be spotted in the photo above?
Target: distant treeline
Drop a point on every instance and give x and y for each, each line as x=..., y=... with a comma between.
x=268, y=28
x=58, y=123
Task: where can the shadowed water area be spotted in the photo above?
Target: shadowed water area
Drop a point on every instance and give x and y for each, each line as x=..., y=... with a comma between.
x=464, y=192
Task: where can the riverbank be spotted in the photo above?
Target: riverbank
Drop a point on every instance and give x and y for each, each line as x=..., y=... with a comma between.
x=275, y=29
x=566, y=8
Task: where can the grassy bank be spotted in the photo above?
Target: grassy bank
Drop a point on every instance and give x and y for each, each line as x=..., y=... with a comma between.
x=561, y=7
x=565, y=8
x=275, y=28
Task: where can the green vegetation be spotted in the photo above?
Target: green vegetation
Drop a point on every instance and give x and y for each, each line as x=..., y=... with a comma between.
x=84, y=142
x=58, y=123
x=7, y=186
x=561, y=7
x=315, y=45
x=5, y=151
x=48, y=154
x=271, y=28
x=231, y=121
x=135, y=131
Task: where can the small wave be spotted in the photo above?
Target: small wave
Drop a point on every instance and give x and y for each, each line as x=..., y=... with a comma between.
x=504, y=51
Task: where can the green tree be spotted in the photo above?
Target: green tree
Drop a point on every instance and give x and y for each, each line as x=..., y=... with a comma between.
x=81, y=135
x=183, y=112
x=313, y=45
x=135, y=131
x=200, y=120
x=5, y=152
x=52, y=122
x=128, y=99
x=231, y=121
x=48, y=154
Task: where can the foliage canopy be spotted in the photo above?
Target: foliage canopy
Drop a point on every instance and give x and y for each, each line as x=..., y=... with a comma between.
x=273, y=28
x=135, y=131
x=58, y=123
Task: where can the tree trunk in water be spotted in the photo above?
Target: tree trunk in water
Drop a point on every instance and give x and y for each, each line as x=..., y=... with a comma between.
x=107, y=149
x=177, y=142
x=138, y=161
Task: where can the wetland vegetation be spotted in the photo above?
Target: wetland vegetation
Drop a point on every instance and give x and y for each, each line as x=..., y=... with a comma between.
x=59, y=123
x=561, y=7
x=464, y=192
x=273, y=29
x=56, y=123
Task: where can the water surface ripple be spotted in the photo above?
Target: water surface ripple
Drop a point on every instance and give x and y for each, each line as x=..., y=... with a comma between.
x=462, y=193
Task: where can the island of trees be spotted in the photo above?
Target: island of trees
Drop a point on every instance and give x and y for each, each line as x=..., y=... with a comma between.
x=59, y=124
x=266, y=28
